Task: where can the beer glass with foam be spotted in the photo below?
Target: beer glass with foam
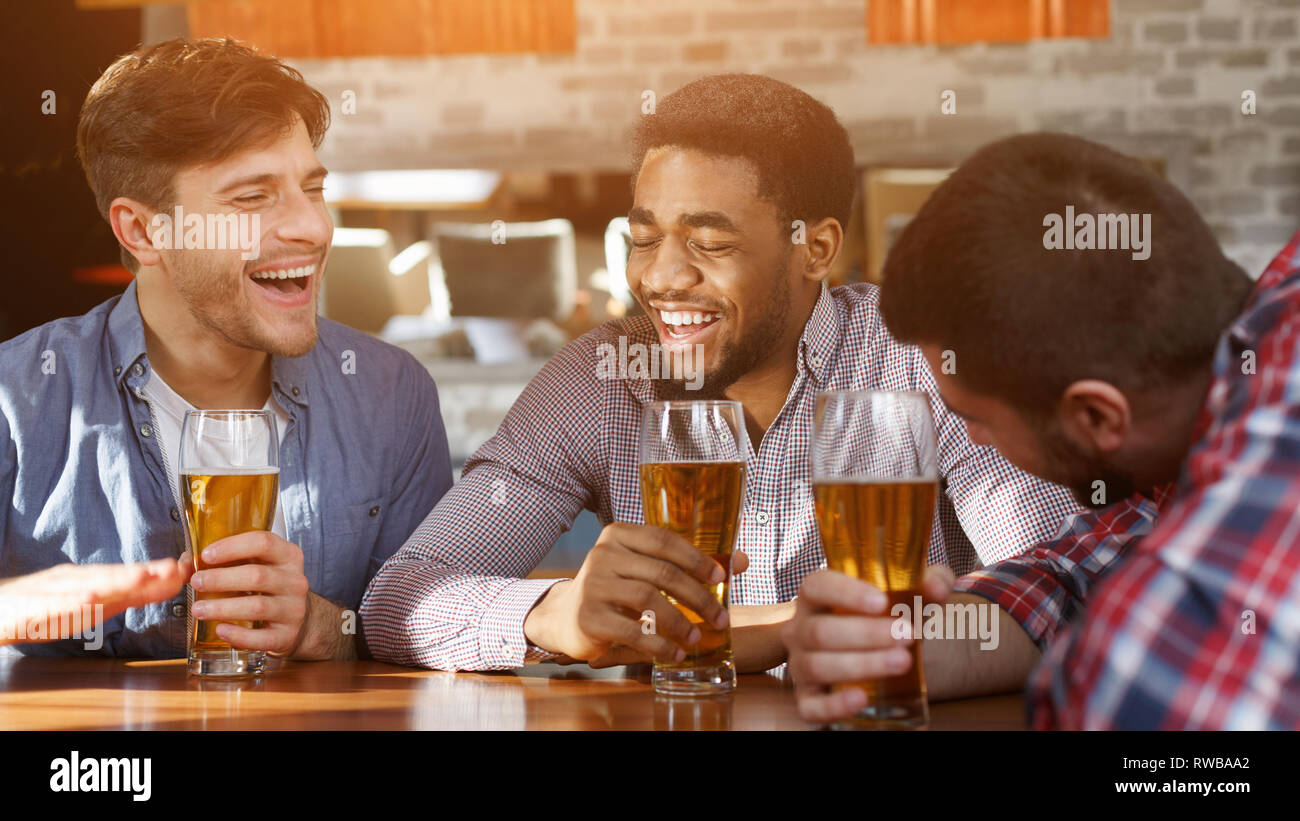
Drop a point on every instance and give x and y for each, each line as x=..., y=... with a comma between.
x=693, y=483
x=874, y=482
x=230, y=479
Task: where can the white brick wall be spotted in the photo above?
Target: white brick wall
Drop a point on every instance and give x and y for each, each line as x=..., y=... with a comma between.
x=1167, y=82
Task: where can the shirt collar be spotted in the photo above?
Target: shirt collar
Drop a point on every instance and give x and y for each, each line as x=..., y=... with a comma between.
x=126, y=336
x=289, y=376
x=1274, y=291
x=820, y=339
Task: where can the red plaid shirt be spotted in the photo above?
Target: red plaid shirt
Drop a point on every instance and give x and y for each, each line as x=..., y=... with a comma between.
x=454, y=596
x=1045, y=587
x=1196, y=626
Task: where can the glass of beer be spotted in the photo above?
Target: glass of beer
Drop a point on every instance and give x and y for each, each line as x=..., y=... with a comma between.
x=693, y=483
x=230, y=480
x=874, y=481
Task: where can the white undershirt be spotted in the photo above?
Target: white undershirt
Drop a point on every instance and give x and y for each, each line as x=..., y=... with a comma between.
x=169, y=411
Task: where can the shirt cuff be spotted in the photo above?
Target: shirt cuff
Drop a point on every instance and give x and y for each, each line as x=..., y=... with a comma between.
x=502, y=644
x=1024, y=596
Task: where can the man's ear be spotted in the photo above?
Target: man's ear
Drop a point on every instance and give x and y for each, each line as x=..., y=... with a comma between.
x=132, y=224
x=1096, y=415
x=821, y=243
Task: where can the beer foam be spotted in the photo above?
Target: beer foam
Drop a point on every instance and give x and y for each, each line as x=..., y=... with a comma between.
x=228, y=470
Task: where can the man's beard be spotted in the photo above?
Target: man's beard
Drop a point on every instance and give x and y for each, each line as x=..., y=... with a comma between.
x=1084, y=471
x=217, y=302
x=739, y=357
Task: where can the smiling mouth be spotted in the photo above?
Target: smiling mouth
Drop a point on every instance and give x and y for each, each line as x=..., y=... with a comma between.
x=285, y=281
x=682, y=325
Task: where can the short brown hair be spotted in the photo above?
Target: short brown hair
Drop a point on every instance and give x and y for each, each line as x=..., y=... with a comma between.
x=973, y=273
x=181, y=103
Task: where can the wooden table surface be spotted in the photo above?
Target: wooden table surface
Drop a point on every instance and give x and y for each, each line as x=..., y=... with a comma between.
x=111, y=694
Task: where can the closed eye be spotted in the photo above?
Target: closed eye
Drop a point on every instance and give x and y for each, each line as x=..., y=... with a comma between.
x=709, y=248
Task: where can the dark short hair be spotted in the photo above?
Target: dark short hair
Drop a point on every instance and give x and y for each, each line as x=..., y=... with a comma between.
x=801, y=152
x=181, y=103
x=971, y=274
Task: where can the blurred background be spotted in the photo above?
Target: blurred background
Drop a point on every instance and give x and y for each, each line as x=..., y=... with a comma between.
x=502, y=236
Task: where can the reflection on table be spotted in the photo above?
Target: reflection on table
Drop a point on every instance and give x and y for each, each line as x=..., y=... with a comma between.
x=115, y=694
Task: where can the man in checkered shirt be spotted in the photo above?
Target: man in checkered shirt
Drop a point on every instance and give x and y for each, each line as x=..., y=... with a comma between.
x=743, y=187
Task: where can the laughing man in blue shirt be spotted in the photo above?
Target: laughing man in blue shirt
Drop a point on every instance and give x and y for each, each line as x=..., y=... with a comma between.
x=91, y=407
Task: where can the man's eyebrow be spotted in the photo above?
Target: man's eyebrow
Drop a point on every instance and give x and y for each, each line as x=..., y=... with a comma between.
x=707, y=219
x=318, y=172
x=698, y=219
x=640, y=216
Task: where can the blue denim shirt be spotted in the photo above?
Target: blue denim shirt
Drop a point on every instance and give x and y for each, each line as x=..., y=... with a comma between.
x=82, y=478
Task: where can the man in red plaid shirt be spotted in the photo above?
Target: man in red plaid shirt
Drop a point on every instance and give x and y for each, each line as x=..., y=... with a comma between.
x=1117, y=372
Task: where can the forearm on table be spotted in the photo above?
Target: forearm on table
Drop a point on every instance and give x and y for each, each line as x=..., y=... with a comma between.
x=960, y=668
x=324, y=634
x=756, y=635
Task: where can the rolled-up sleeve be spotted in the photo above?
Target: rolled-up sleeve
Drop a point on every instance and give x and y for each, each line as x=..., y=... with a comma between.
x=1046, y=587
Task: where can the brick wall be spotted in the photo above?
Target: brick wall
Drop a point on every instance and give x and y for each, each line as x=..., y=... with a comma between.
x=1168, y=83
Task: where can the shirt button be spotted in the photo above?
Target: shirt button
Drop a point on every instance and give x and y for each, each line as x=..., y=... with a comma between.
x=761, y=517
x=295, y=390
x=816, y=361
x=117, y=371
x=138, y=370
x=146, y=431
x=374, y=511
x=176, y=515
x=178, y=610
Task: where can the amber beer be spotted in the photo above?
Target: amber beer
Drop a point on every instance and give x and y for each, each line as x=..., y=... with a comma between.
x=701, y=502
x=221, y=502
x=877, y=530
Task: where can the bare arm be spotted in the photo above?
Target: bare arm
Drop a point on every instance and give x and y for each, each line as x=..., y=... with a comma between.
x=960, y=668
x=756, y=635
x=326, y=632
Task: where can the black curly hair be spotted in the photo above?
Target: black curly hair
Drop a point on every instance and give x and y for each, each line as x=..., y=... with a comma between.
x=801, y=152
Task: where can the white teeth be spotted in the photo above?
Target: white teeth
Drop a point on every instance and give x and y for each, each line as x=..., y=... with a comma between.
x=681, y=318
x=286, y=273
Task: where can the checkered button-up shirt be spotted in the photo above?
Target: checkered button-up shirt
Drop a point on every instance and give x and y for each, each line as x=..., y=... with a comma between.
x=454, y=596
x=1199, y=626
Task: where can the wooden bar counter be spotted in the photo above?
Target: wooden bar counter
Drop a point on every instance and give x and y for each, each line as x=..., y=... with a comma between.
x=113, y=694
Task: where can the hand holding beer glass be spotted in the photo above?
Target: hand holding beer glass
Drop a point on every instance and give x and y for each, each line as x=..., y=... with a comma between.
x=693, y=484
x=230, y=480
x=875, y=480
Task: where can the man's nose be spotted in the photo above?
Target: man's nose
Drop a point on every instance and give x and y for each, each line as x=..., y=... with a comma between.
x=303, y=220
x=670, y=270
